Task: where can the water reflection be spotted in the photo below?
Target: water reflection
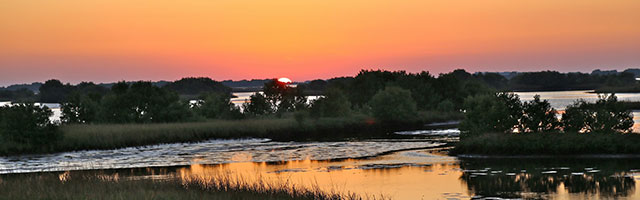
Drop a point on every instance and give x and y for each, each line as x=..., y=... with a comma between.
x=413, y=174
x=402, y=175
x=550, y=178
x=207, y=152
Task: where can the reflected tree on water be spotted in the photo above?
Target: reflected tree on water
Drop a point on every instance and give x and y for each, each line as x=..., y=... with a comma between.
x=534, y=184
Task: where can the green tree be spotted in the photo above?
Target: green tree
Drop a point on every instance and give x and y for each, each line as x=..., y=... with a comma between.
x=334, y=104
x=393, y=104
x=445, y=106
x=217, y=106
x=491, y=113
x=27, y=125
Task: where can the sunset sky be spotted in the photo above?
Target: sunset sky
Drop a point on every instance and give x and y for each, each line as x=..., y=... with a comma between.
x=111, y=40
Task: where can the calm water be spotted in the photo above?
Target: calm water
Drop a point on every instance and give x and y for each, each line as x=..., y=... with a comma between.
x=561, y=99
x=413, y=168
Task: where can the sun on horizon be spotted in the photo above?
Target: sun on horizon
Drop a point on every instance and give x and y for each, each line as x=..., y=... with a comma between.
x=285, y=80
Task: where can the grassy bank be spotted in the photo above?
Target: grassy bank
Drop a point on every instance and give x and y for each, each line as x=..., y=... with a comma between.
x=111, y=136
x=548, y=144
x=62, y=186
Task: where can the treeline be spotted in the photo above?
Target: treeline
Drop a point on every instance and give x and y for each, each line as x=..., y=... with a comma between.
x=19, y=95
x=504, y=112
x=388, y=97
x=29, y=92
x=553, y=81
x=534, y=81
x=371, y=92
x=525, y=81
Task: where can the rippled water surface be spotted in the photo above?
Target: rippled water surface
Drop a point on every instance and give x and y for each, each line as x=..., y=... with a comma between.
x=209, y=152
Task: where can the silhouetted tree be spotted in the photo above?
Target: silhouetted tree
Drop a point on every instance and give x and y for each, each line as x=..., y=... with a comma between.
x=538, y=116
x=284, y=98
x=605, y=115
x=197, y=86
x=257, y=105
x=217, y=106
x=53, y=91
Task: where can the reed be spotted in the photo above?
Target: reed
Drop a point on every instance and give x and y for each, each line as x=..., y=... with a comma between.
x=288, y=128
x=210, y=186
x=549, y=144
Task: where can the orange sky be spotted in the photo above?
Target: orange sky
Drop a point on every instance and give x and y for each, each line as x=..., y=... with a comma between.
x=110, y=40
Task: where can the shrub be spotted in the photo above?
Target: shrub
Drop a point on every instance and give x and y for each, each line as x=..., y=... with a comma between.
x=607, y=114
x=393, y=104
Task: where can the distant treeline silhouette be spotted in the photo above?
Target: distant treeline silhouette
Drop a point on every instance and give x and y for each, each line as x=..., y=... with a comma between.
x=601, y=81
x=395, y=98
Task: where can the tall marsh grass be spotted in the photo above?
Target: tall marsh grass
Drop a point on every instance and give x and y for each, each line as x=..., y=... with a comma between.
x=87, y=185
x=288, y=128
x=548, y=144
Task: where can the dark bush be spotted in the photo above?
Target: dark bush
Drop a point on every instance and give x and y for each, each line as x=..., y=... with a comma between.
x=538, y=116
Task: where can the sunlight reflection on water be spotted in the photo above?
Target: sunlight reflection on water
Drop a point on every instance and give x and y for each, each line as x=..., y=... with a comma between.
x=411, y=174
x=209, y=152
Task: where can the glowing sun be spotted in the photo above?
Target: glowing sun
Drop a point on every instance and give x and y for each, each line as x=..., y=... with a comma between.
x=284, y=80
